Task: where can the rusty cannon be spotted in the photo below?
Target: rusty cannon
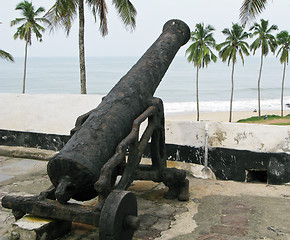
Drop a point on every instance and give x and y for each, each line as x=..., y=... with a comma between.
x=106, y=142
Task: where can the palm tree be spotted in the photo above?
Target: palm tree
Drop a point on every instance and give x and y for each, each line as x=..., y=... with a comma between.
x=266, y=41
x=64, y=12
x=283, y=39
x=6, y=55
x=200, y=52
x=250, y=9
x=30, y=25
x=228, y=51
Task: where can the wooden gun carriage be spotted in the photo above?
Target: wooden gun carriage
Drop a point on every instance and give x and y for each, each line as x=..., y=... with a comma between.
x=104, y=145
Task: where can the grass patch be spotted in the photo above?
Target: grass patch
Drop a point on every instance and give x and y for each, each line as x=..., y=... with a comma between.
x=266, y=118
x=280, y=124
x=256, y=118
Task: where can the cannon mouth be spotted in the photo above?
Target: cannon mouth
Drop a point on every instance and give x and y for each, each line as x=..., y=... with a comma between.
x=178, y=27
x=71, y=180
x=65, y=189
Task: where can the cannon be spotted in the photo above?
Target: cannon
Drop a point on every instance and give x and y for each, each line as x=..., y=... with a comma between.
x=106, y=143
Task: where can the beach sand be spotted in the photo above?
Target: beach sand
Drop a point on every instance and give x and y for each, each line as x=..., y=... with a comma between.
x=222, y=116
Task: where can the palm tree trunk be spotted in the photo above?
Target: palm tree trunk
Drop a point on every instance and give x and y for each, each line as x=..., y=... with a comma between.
x=197, y=100
x=25, y=62
x=282, y=93
x=82, y=47
x=259, y=86
x=232, y=92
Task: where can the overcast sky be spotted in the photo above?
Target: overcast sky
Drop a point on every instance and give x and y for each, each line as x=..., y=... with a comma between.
x=151, y=16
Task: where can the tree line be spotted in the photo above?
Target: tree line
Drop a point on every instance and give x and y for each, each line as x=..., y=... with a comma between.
x=200, y=52
x=62, y=14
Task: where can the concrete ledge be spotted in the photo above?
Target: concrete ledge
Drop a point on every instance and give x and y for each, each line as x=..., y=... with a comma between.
x=23, y=152
x=47, y=141
x=226, y=164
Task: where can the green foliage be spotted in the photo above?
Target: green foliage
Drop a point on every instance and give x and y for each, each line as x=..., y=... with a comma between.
x=29, y=22
x=256, y=118
x=5, y=55
x=280, y=124
x=250, y=9
x=283, y=39
x=126, y=12
x=199, y=52
x=234, y=44
x=63, y=13
x=265, y=40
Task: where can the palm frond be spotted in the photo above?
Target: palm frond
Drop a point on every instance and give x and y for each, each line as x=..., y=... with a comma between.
x=273, y=27
x=284, y=56
x=226, y=31
x=39, y=10
x=5, y=55
x=264, y=39
x=43, y=20
x=16, y=21
x=283, y=39
x=244, y=48
x=199, y=52
x=234, y=44
x=126, y=12
x=99, y=8
x=255, y=45
x=62, y=14
x=37, y=33
x=30, y=22
x=250, y=9
x=279, y=51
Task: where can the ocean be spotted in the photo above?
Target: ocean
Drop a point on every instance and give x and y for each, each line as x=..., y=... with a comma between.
x=47, y=75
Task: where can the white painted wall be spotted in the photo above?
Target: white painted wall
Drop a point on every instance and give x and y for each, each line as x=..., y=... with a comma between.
x=44, y=113
x=56, y=114
x=242, y=136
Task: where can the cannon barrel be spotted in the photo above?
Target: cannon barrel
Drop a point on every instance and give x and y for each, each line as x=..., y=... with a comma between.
x=75, y=169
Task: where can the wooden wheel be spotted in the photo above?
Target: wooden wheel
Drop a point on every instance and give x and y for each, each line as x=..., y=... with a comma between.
x=118, y=219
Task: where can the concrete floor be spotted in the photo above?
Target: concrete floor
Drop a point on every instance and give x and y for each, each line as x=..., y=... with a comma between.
x=216, y=209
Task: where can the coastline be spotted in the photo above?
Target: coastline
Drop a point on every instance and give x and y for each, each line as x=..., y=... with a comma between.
x=221, y=116
x=57, y=113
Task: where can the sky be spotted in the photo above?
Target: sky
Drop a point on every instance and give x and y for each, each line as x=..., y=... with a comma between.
x=151, y=16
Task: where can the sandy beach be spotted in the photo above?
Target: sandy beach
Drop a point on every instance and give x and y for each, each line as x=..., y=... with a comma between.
x=57, y=113
x=221, y=116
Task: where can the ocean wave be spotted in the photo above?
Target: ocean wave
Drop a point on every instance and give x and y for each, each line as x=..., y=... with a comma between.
x=224, y=106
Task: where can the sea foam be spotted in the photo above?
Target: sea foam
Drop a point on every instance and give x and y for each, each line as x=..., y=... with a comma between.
x=224, y=106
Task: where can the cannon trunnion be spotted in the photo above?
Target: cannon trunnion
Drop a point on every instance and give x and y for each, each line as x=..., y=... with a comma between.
x=105, y=143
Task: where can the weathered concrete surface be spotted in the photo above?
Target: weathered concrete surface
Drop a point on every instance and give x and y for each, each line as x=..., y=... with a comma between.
x=23, y=152
x=240, y=136
x=216, y=210
x=241, y=217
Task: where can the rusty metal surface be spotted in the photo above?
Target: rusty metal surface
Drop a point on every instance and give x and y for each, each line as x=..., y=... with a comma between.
x=51, y=209
x=76, y=168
